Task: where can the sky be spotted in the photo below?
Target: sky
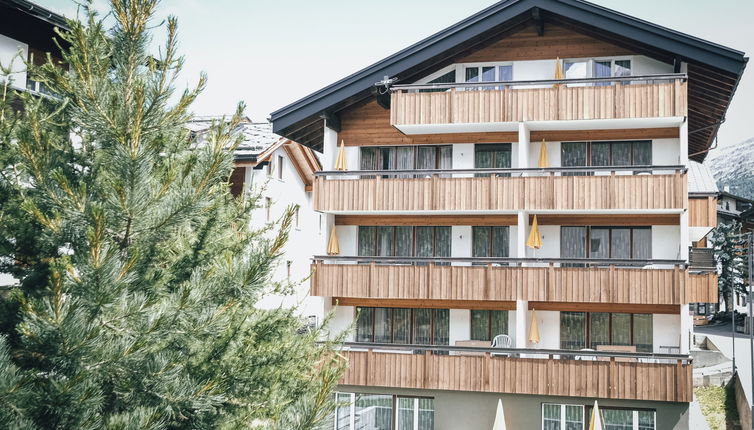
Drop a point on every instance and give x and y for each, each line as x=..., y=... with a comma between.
x=271, y=53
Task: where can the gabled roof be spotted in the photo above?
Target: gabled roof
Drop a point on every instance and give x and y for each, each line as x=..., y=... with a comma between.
x=303, y=159
x=256, y=137
x=701, y=181
x=720, y=65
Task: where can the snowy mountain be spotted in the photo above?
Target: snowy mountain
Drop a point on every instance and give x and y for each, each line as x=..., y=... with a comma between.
x=733, y=166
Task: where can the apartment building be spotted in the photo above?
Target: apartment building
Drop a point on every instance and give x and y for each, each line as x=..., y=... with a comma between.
x=510, y=203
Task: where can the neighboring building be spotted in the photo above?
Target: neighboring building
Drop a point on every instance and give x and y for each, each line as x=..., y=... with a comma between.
x=435, y=210
x=283, y=172
x=27, y=29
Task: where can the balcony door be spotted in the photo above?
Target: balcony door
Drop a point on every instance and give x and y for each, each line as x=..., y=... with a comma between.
x=492, y=156
x=580, y=330
x=424, y=157
x=606, y=242
x=404, y=241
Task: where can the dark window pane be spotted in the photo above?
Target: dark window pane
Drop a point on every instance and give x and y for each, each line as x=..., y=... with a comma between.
x=422, y=326
x=498, y=323
x=373, y=411
x=617, y=419
x=573, y=242
x=642, y=239
x=442, y=241
x=642, y=152
x=426, y=414
x=621, y=154
x=401, y=325
x=599, y=329
x=488, y=74
x=369, y=158
x=600, y=154
x=367, y=241
x=424, y=241
x=500, y=241
x=620, y=243
x=472, y=74
x=442, y=326
x=426, y=157
x=404, y=241
x=483, y=159
x=445, y=158
x=480, y=241
x=573, y=154
x=364, y=325
x=447, y=78
x=385, y=241
x=480, y=325
x=387, y=158
x=382, y=325
x=572, y=330
x=643, y=332
x=621, y=329
x=599, y=243
x=622, y=68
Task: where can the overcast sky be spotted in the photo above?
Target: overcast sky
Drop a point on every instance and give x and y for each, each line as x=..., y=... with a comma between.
x=271, y=53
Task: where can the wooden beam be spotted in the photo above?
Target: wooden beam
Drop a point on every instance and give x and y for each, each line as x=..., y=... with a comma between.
x=426, y=304
x=332, y=121
x=605, y=307
x=612, y=220
x=421, y=220
x=616, y=134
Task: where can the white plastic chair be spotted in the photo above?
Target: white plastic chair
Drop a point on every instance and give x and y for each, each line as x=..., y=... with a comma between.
x=501, y=341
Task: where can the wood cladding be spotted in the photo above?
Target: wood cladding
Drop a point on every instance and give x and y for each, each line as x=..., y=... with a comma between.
x=703, y=211
x=629, y=380
x=673, y=286
x=606, y=307
x=611, y=220
x=418, y=220
x=369, y=125
x=539, y=104
x=604, y=192
x=557, y=41
x=490, y=305
x=702, y=288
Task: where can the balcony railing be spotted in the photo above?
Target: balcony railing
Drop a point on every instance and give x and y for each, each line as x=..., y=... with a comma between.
x=594, y=374
x=645, y=96
x=649, y=282
x=559, y=188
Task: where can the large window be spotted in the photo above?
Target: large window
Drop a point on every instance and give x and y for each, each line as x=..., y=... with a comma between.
x=600, y=154
x=489, y=73
x=485, y=325
x=606, y=242
x=405, y=241
x=492, y=155
x=403, y=326
x=357, y=411
x=490, y=241
x=574, y=417
x=589, y=330
x=406, y=157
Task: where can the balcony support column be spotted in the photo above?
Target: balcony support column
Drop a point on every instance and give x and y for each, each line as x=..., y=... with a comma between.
x=521, y=231
x=521, y=313
x=523, y=146
x=686, y=329
x=684, y=144
x=329, y=148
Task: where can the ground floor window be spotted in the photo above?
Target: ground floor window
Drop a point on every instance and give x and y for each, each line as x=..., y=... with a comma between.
x=574, y=417
x=357, y=411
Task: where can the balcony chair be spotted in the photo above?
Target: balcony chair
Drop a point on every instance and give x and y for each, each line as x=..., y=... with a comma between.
x=501, y=341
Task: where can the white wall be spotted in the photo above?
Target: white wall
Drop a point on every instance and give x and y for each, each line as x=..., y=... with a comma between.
x=550, y=242
x=8, y=53
x=666, y=240
x=642, y=65
x=549, y=329
x=342, y=320
x=666, y=331
x=460, y=325
x=348, y=239
x=666, y=151
x=460, y=241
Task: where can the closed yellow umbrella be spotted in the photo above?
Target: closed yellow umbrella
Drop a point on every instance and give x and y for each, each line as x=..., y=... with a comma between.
x=534, y=329
x=340, y=161
x=499, y=423
x=535, y=240
x=333, y=246
x=544, y=159
x=558, y=72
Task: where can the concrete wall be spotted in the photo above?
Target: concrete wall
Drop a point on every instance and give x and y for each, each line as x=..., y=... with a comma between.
x=455, y=410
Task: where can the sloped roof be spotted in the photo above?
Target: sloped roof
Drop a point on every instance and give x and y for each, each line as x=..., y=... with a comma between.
x=714, y=70
x=701, y=180
x=303, y=159
x=257, y=136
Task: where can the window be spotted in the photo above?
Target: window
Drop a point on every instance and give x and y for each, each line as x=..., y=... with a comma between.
x=496, y=155
x=407, y=157
x=598, y=68
x=489, y=73
x=490, y=241
x=280, y=167
x=357, y=411
x=576, y=69
x=630, y=153
x=268, y=207
x=562, y=417
x=446, y=78
x=403, y=326
x=405, y=241
x=606, y=242
x=589, y=330
x=485, y=325
x=626, y=419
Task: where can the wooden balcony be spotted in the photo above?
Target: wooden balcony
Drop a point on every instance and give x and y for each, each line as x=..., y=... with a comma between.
x=665, y=378
x=432, y=105
x=488, y=280
x=502, y=190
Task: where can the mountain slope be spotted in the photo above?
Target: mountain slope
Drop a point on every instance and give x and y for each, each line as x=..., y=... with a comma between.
x=733, y=165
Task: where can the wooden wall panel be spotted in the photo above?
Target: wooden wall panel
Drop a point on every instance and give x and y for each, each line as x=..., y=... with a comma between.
x=557, y=41
x=703, y=211
x=667, y=99
x=418, y=220
x=703, y=288
x=611, y=379
x=551, y=192
x=463, y=284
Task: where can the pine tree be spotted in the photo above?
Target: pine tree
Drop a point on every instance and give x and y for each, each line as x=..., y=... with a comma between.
x=730, y=254
x=138, y=271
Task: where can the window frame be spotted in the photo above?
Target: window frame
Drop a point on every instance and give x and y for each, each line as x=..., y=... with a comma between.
x=590, y=64
x=589, y=151
x=411, y=328
x=490, y=336
x=588, y=239
x=280, y=161
x=563, y=415
x=588, y=328
x=394, y=408
x=375, y=233
x=414, y=158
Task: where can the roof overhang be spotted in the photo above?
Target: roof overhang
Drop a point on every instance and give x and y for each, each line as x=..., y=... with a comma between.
x=30, y=23
x=714, y=70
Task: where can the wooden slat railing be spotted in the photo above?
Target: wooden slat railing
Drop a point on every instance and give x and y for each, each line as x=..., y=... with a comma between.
x=648, y=96
x=502, y=189
x=386, y=278
x=552, y=372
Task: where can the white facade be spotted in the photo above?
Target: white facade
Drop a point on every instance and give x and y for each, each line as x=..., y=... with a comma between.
x=13, y=54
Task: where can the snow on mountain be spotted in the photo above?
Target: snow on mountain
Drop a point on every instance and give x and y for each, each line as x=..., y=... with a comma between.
x=733, y=166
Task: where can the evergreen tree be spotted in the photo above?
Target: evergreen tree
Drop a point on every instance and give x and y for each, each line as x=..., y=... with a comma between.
x=730, y=254
x=138, y=271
